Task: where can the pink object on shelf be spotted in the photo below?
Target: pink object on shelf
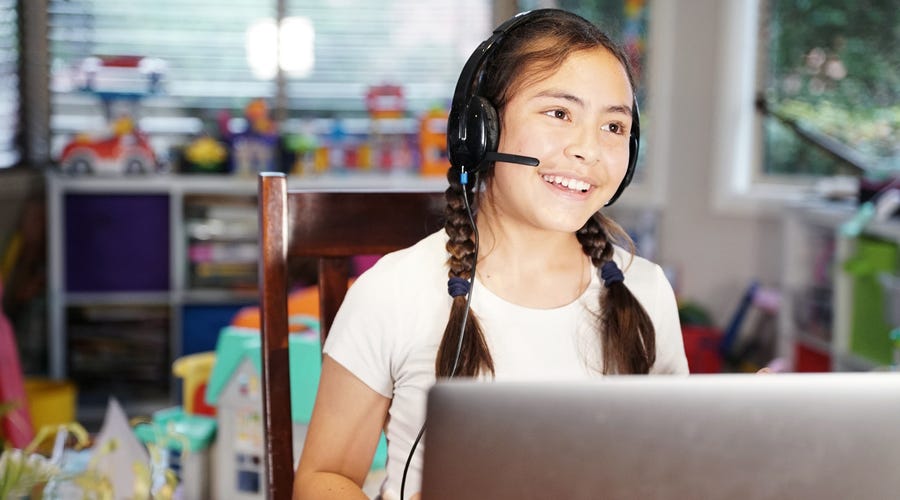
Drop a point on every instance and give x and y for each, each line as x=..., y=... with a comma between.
x=16, y=423
x=362, y=263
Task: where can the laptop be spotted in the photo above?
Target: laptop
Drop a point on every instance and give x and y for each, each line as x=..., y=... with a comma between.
x=723, y=436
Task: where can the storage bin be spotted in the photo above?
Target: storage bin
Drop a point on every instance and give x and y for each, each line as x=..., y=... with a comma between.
x=869, y=328
x=50, y=402
x=701, y=346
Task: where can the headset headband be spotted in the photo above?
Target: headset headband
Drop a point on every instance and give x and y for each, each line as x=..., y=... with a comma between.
x=468, y=83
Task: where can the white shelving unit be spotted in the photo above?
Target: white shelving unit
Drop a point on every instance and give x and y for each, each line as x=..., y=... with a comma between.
x=814, y=252
x=176, y=189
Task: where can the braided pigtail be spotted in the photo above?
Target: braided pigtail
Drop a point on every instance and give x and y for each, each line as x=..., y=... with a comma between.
x=625, y=329
x=471, y=357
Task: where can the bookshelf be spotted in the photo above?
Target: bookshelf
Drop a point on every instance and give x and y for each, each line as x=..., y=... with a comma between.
x=143, y=269
x=822, y=325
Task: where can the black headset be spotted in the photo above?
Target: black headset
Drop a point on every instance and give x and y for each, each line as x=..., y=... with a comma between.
x=473, y=127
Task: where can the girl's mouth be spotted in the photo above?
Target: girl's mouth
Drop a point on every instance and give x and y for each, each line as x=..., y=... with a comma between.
x=567, y=182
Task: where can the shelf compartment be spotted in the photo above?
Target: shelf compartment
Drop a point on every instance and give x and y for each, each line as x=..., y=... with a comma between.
x=116, y=242
x=813, y=312
x=221, y=241
x=120, y=351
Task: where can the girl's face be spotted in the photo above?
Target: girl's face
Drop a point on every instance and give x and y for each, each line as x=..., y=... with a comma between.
x=577, y=123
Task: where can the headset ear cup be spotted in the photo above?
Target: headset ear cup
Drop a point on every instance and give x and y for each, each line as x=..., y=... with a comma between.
x=482, y=131
x=633, y=144
x=632, y=160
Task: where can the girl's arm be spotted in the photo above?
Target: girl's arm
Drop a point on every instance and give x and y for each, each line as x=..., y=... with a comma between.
x=343, y=433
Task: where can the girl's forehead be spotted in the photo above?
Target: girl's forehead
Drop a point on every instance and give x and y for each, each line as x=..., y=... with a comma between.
x=596, y=68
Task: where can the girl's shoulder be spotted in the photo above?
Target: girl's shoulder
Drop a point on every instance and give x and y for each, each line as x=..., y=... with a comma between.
x=410, y=268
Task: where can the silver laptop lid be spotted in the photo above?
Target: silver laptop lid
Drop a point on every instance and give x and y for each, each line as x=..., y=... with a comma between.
x=791, y=436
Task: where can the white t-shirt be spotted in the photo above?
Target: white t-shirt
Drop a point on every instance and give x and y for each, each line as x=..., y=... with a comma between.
x=391, y=322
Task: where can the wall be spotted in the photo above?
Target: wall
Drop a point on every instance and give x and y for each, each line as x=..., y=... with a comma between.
x=715, y=255
x=17, y=185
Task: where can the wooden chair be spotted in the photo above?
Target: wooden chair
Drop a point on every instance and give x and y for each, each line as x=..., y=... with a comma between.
x=332, y=227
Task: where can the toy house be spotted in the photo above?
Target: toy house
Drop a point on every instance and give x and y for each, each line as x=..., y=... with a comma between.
x=235, y=389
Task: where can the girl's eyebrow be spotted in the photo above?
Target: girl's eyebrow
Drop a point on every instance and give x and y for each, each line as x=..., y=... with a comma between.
x=619, y=109
x=558, y=94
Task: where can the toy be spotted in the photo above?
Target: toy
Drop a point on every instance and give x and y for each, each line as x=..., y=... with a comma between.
x=385, y=101
x=194, y=370
x=433, y=143
x=255, y=149
x=127, y=150
x=235, y=389
x=300, y=150
x=205, y=154
x=116, y=79
x=121, y=76
x=186, y=439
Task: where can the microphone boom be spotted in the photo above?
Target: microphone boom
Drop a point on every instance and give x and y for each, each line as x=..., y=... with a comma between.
x=509, y=158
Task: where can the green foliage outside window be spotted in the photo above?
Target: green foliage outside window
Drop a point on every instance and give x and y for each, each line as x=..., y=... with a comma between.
x=833, y=67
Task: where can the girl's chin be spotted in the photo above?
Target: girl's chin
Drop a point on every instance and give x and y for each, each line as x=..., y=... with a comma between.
x=567, y=224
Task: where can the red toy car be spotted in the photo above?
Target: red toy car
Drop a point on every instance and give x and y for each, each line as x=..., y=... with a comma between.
x=127, y=151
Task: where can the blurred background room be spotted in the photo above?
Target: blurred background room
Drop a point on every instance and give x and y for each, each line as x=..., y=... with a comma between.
x=131, y=134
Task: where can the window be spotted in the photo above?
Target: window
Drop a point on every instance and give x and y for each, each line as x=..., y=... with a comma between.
x=832, y=85
x=10, y=151
x=191, y=62
x=827, y=72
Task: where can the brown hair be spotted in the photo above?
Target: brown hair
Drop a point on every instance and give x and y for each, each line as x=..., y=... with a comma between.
x=527, y=53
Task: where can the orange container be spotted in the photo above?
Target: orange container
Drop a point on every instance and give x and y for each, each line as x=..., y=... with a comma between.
x=433, y=143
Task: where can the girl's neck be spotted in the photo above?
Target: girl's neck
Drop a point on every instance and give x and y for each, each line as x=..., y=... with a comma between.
x=531, y=267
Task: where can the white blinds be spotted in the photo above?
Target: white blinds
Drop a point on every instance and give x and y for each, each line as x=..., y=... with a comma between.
x=418, y=44
x=10, y=152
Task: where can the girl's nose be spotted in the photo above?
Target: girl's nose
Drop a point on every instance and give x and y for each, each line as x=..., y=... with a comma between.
x=584, y=146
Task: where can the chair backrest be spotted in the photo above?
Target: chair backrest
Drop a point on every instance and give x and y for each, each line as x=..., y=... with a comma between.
x=332, y=227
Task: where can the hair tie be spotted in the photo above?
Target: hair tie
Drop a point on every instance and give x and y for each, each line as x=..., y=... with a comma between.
x=611, y=273
x=457, y=287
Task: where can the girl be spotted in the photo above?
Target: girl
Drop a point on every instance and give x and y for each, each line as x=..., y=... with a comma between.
x=536, y=287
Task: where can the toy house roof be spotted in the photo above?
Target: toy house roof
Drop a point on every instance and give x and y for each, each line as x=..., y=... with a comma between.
x=304, y=351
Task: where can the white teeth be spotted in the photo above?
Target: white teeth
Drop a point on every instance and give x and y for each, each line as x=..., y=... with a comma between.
x=566, y=182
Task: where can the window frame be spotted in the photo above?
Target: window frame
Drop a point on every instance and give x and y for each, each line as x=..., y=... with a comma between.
x=740, y=186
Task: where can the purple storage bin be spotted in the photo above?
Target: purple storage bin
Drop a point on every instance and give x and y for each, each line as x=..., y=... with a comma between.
x=116, y=242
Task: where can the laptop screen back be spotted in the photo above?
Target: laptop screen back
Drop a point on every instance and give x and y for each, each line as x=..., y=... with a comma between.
x=822, y=436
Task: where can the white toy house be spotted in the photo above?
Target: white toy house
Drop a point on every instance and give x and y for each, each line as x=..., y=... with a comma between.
x=235, y=388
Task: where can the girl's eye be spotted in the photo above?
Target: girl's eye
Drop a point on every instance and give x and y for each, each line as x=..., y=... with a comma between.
x=559, y=114
x=615, y=128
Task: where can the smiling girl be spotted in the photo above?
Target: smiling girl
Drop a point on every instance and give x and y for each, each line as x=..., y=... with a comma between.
x=543, y=287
